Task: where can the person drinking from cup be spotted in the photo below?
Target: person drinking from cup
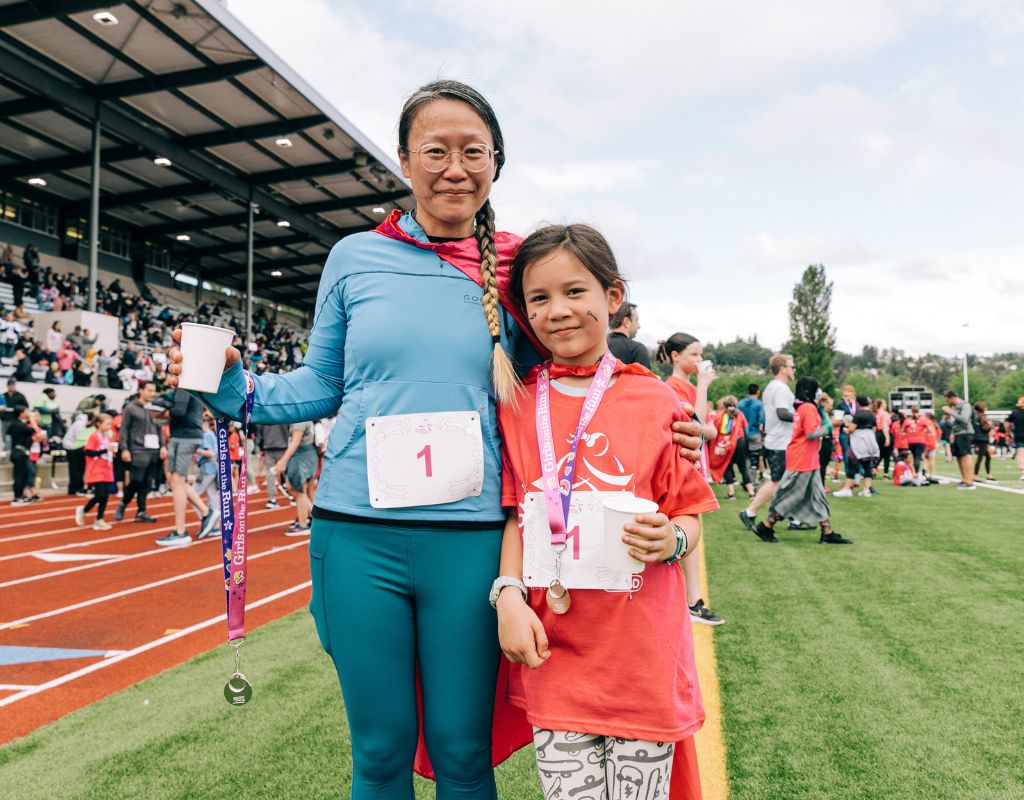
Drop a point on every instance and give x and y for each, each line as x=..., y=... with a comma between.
x=407, y=523
x=565, y=614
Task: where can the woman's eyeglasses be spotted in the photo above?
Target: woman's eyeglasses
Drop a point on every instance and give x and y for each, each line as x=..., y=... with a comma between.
x=436, y=157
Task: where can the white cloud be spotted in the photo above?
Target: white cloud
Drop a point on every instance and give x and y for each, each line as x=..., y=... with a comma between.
x=762, y=252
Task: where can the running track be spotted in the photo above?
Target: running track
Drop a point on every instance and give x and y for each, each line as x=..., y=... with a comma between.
x=131, y=607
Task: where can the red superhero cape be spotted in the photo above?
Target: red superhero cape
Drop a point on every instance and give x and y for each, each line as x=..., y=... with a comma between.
x=464, y=255
x=721, y=450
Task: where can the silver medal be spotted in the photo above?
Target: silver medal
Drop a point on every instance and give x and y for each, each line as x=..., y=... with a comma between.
x=558, y=597
x=238, y=690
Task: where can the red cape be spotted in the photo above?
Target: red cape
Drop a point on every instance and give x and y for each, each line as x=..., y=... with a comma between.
x=464, y=255
x=721, y=450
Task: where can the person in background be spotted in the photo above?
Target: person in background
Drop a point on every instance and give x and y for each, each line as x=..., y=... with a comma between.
x=961, y=435
x=624, y=325
x=778, y=429
x=931, y=443
x=11, y=400
x=272, y=441
x=848, y=405
x=54, y=337
x=905, y=475
x=863, y=455
x=800, y=493
x=753, y=411
x=24, y=436
x=47, y=406
x=82, y=427
x=186, y=437
x=913, y=430
x=882, y=433
x=728, y=449
x=99, y=472
x=828, y=443
x=299, y=464
x=206, y=464
x=1016, y=420
x=982, y=431
x=141, y=450
x=22, y=366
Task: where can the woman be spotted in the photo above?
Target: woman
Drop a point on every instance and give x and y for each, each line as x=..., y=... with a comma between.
x=25, y=437
x=54, y=337
x=685, y=354
x=299, y=464
x=882, y=434
x=408, y=322
x=728, y=447
x=982, y=429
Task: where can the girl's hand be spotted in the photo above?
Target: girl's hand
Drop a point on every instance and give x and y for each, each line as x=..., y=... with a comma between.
x=706, y=376
x=651, y=538
x=174, y=359
x=520, y=631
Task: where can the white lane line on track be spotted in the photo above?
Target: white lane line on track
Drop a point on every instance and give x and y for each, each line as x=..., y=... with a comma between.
x=47, y=507
x=14, y=687
x=105, y=539
x=118, y=560
x=54, y=558
x=124, y=592
x=78, y=673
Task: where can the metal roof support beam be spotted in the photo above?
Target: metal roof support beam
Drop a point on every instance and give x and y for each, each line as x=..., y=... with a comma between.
x=199, y=224
x=250, y=132
x=18, y=13
x=28, y=74
x=25, y=105
x=343, y=203
x=143, y=196
x=94, y=208
x=303, y=173
x=239, y=247
x=176, y=80
x=70, y=161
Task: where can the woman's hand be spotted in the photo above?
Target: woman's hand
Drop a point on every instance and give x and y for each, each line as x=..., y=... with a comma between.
x=651, y=538
x=279, y=467
x=174, y=359
x=520, y=631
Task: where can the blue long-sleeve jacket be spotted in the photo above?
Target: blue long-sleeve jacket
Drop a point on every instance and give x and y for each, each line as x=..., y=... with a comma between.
x=397, y=330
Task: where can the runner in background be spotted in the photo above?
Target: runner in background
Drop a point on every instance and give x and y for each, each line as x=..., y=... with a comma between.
x=141, y=450
x=913, y=430
x=883, y=434
x=299, y=464
x=931, y=443
x=685, y=354
x=272, y=440
x=99, y=472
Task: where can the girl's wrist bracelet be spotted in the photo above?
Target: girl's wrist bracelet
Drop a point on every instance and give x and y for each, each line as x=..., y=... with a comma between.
x=681, y=545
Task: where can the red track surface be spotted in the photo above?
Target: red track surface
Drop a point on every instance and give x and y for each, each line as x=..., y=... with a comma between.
x=161, y=593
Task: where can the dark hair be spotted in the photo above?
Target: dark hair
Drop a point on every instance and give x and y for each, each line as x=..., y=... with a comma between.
x=675, y=343
x=862, y=400
x=506, y=382
x=584, y=243
x=19, y=410
x=950, y=394
x=625, y=312
x=753, y=388
x=805, y=389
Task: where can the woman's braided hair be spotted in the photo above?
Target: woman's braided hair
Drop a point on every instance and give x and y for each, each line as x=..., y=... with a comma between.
x=503, y=373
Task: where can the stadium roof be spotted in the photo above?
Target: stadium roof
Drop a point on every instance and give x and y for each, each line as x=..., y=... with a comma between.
x=185, y=81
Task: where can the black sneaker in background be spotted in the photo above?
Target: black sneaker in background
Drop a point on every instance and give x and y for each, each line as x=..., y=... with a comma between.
x=142, y=516
x=119, y=513
x=701, y=614
x=833, y=538
x=764, y=533
x=747, y=520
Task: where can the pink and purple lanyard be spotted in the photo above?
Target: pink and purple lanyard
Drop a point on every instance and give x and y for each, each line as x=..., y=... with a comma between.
x=234, y=547
x=558, y=494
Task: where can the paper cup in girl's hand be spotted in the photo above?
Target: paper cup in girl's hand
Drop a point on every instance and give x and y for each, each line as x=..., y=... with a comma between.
x=621, y=509
x=203, y=356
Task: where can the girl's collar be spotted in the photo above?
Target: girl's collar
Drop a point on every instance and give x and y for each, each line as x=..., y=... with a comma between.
x=563, y=370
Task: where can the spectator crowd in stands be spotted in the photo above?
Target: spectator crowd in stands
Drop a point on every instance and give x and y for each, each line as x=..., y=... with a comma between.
x=72, y=358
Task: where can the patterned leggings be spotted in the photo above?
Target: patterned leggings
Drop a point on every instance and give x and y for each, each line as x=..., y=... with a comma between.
x=584, y=766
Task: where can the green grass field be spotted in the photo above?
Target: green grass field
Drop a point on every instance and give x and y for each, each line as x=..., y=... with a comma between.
x=886, y=669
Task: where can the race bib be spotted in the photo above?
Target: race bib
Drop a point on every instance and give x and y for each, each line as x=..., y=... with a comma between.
x=151, y=441
x=424, y=459
x=583, y=558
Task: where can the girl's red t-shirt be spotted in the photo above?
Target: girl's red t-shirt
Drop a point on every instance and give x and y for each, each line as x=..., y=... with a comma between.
x=99, y=469
x=621, y=663
x=914, y=430
x=803, y=454
x=687, y=391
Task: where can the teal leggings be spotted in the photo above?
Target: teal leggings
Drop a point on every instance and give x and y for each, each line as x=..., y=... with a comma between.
x=385, y=598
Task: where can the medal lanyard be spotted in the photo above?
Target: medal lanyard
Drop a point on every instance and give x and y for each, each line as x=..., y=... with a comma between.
x=557, y=494
x=234, y=546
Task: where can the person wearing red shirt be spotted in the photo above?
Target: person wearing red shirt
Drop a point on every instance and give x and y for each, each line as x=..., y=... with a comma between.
x=728, y=447
x=904, y=474
x=99, y=472
x=899, y=434
x=883, y=434
x=914, y=431
x=801, y=493
x=931, y=442
x=568, y=672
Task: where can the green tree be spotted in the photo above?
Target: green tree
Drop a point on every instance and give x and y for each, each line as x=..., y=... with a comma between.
x=1010, y=387
x=981, y=386
x=812, y=339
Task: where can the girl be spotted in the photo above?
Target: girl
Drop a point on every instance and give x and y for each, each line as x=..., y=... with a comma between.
x=728, y=446
x=596, y=728
x=299, y=464
x=800, y=493
x=685, y=354
x=99, y=471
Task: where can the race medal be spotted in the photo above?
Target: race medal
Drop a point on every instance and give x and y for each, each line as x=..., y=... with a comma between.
x=558, y=597
x=238, y=690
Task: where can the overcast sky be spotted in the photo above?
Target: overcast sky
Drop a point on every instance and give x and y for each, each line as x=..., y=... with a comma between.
x=722, y=147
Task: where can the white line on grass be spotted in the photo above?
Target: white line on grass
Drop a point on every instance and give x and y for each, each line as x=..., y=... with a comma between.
x=944, y=480
x=124, y=592
x=78, y=673
x=118, y=560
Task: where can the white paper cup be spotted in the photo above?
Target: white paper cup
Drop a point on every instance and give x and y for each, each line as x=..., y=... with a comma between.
x=620, y=509
x=203, y=356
